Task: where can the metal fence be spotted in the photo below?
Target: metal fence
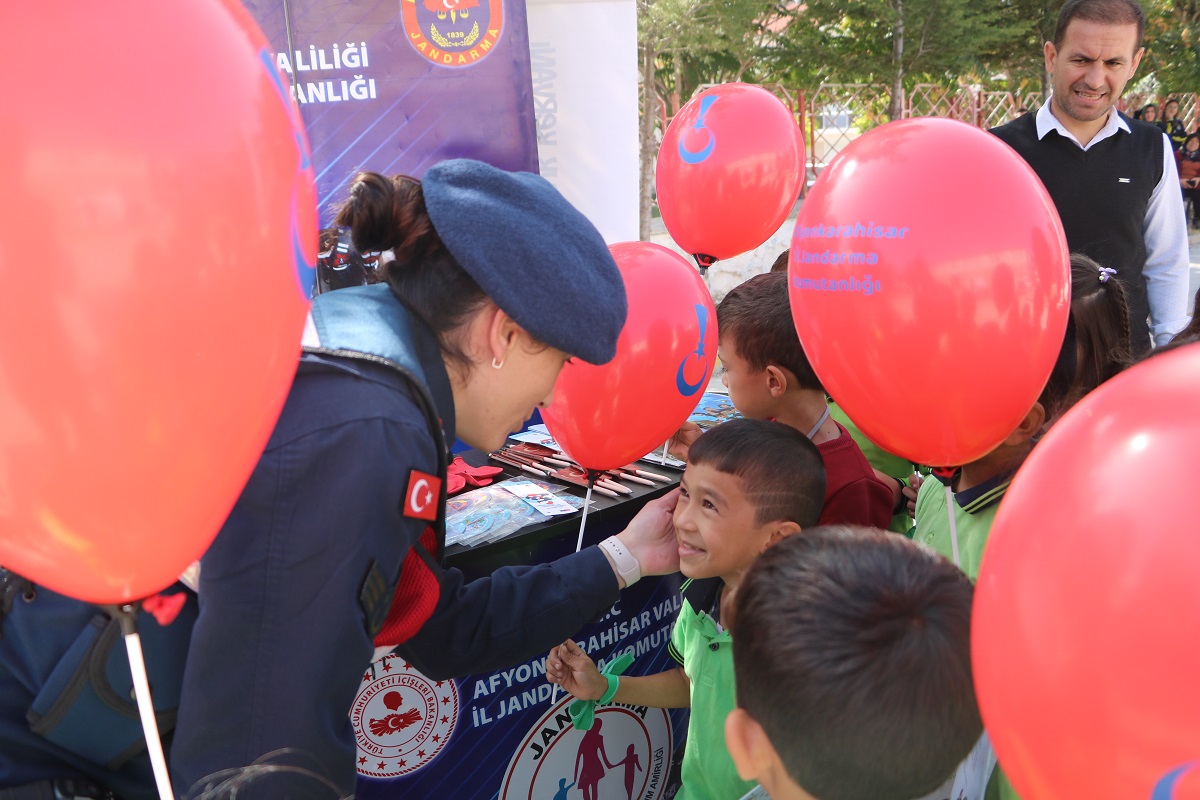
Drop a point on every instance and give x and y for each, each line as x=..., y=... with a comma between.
x=833, y=115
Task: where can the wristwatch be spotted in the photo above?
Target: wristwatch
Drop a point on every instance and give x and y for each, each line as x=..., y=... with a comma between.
x=628, y=567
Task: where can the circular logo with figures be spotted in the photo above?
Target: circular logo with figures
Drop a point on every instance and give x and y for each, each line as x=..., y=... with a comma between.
x=401, y=719
x=627, y=753
x=453, y=33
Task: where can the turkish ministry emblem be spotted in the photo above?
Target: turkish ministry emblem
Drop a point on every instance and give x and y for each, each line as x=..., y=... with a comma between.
x=401, y=719
x=421, y=497
x=453, y=33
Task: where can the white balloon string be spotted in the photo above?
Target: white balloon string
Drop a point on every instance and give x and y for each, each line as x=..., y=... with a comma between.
x=141, y=690
x=953, y=526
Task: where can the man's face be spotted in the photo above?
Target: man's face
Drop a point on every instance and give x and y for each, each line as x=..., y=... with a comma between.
x=1089, y=70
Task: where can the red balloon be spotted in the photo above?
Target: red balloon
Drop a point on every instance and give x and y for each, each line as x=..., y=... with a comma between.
x=729, y=170
x=606, y=416
x=930, y=286
x=158, y=219
x=1084, y=637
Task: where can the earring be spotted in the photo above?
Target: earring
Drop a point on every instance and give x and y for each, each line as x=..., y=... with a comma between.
x=497, y=364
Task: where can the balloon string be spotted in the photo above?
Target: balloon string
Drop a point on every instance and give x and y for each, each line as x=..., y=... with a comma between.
x=587, y=503
x=953, y=526
x=664, y=455
x=141, y=689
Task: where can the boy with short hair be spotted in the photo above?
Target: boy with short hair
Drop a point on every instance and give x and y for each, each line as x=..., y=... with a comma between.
x=853, y=668
x=769, y=377
x=748, y=484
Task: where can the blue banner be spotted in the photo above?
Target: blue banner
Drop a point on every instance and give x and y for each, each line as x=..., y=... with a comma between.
x=498, y=736
x=395, y=86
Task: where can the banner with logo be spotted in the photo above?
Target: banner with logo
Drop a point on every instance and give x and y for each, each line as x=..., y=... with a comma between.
x=393, y=86
x=499, y=735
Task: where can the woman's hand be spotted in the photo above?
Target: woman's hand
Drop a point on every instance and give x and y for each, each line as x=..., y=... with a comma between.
x=569, y=667
x=650, y=536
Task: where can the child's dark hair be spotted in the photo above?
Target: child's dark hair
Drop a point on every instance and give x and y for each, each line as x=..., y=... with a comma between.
x=1101, y=316
x=781, y=470
x=755, y=318
x=1059, y=394
x=781, y=261
x=851, y=648
x=388, y=213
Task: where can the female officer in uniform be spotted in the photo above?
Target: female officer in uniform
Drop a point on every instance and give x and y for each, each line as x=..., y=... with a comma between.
x=335, y=543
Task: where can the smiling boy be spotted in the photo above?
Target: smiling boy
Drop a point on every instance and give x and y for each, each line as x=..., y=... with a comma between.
x=748, y=484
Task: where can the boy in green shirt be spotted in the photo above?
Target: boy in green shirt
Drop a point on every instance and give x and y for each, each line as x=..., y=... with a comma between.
x=748, y=484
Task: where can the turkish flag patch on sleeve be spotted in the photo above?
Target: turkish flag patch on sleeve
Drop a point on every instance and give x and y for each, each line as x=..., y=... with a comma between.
x=422, y=496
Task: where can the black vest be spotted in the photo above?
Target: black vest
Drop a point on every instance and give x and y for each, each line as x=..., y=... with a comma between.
x=1101, y=195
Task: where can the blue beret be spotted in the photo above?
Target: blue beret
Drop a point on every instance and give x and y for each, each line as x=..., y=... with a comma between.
x=532, y=252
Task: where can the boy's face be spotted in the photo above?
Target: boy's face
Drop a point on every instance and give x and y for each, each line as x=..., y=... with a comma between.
x=749, y=389
x=715, y=525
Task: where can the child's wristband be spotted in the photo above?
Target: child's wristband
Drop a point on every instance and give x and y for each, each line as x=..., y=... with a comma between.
x=614, y=682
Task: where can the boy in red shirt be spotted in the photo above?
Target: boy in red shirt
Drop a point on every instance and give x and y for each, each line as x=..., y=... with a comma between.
x=769, y=377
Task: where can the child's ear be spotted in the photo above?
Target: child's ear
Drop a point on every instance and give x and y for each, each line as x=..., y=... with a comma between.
x=1029, y=426
x=780, y=530
x=777, y=380
x=748, y=745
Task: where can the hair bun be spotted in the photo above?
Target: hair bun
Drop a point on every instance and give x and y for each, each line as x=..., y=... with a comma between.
x=387, y=213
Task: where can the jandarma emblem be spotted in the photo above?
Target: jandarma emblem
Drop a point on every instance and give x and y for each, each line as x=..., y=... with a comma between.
x=453, y=33
x=401, y=719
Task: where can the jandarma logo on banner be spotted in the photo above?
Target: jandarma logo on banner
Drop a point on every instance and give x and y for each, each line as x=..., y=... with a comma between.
x=627, y=753
x=401, y=719
x=453, y=33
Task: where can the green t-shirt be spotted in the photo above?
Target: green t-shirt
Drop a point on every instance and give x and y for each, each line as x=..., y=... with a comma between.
x=887, y=463
x=706, y=654
x=974, y=511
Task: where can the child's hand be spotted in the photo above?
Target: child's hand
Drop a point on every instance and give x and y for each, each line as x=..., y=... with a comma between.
x=569, y=667
x=910, y=493
x=684, y=438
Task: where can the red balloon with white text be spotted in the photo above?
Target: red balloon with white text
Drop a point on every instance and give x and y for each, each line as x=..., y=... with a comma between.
x=930, y=286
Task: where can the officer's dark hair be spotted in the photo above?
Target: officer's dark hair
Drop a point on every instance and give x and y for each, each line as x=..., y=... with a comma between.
x=851, y=648
x=755, y=320
x=782, y=474
x=388, y=213
x=1105, y=12
x=1101, y=315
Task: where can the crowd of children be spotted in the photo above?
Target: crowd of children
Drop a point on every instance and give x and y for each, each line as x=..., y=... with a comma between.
x=849, y=647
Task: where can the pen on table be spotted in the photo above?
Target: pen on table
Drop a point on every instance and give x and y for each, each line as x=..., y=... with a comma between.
x=518, y=465
x=647, y=473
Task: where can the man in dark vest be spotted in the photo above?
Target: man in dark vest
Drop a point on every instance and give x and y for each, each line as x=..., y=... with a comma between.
x=1113, y=179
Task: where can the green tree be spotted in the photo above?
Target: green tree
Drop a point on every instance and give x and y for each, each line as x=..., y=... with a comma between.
x=903, y=42
x=725, y=36
x=1173, y=43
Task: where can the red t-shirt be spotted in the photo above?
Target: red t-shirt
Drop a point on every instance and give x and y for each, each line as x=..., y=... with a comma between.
x=853, y=495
